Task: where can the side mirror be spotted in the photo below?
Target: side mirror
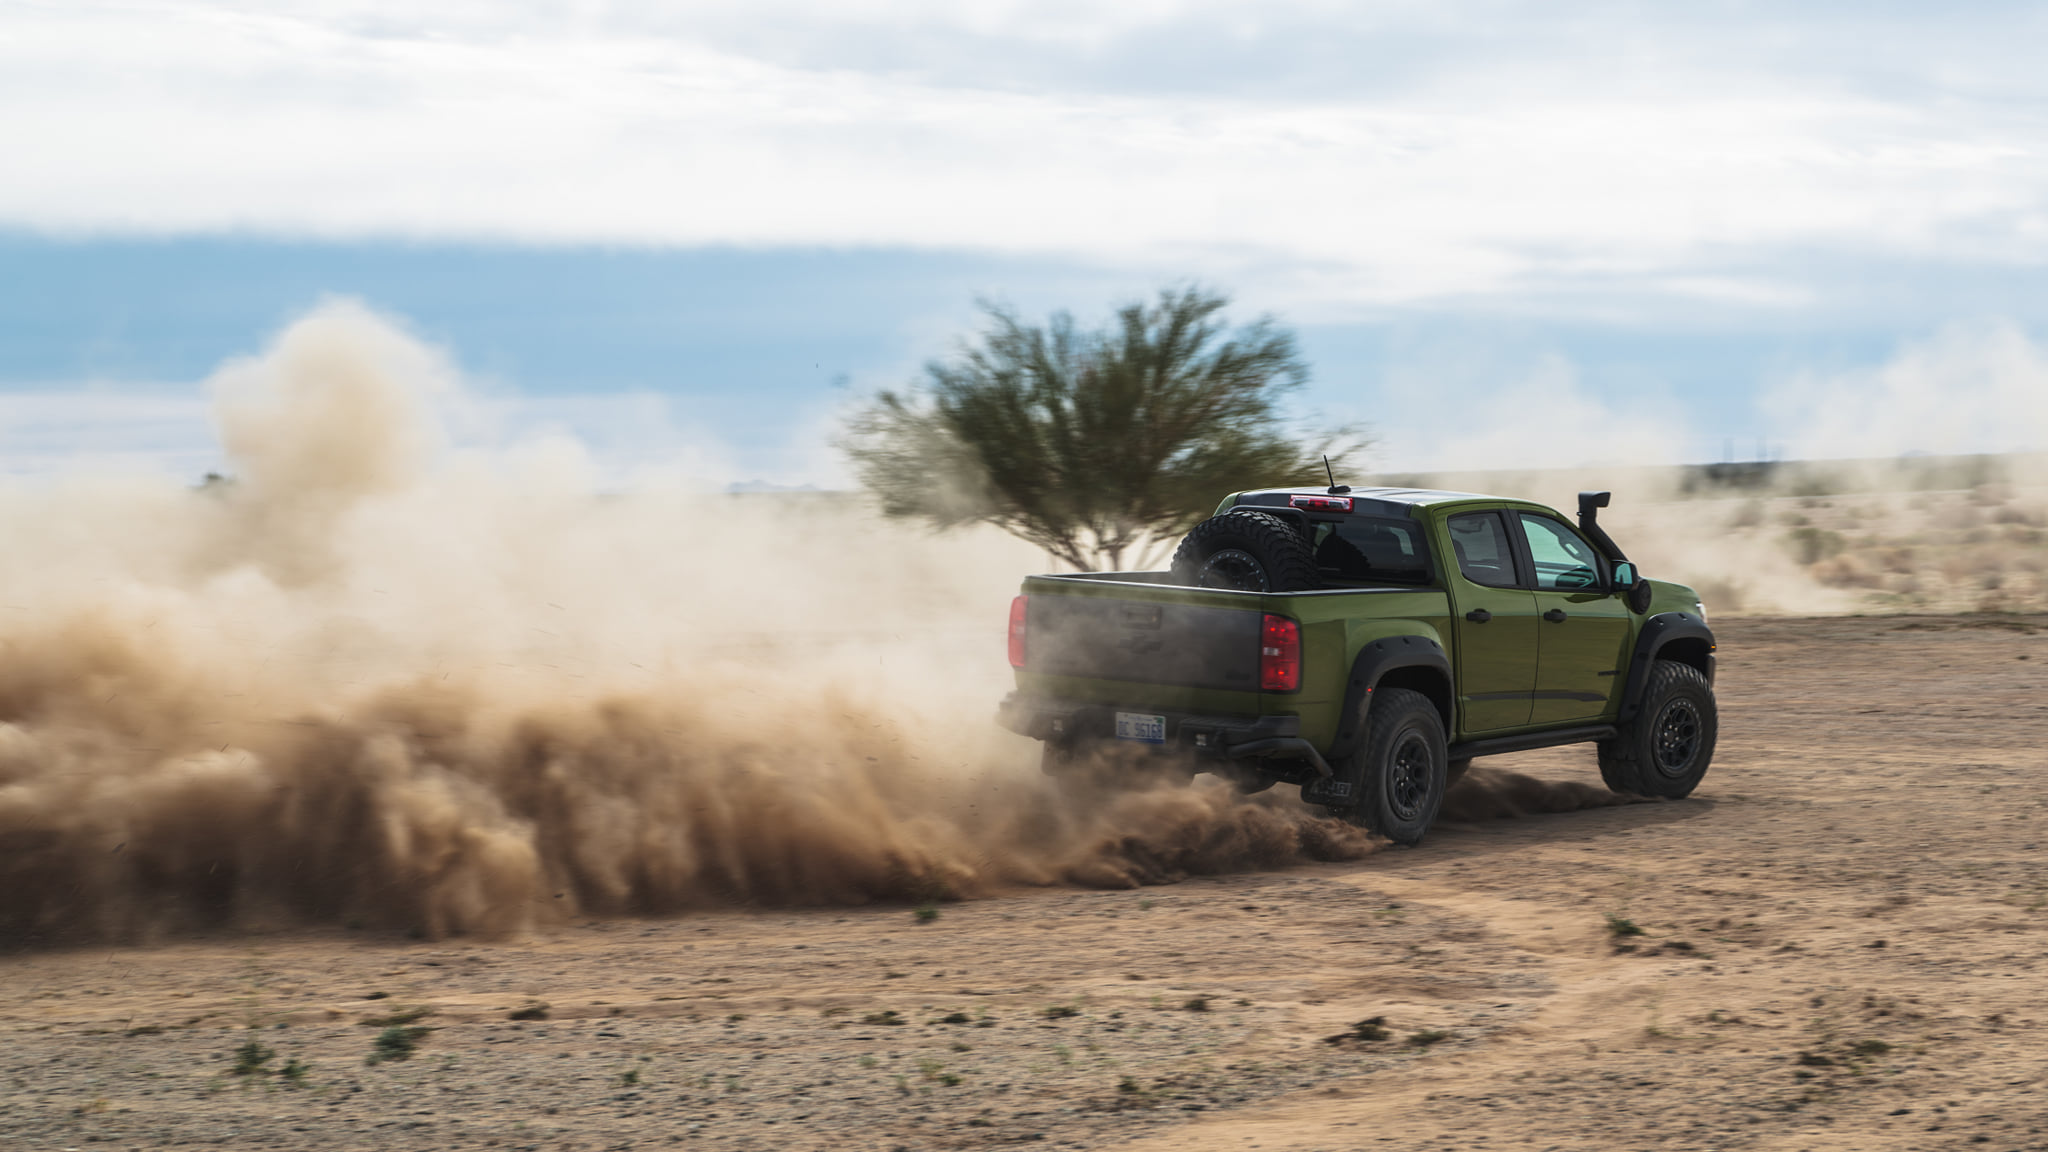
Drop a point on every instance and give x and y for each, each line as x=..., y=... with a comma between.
x=1634, y=588
x=1631, y=585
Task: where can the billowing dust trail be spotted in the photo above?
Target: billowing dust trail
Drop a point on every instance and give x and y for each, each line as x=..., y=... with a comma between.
x=375, y=679
x=1487, y=793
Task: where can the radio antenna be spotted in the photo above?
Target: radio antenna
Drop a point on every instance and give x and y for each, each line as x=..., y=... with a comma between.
x=1336, y=489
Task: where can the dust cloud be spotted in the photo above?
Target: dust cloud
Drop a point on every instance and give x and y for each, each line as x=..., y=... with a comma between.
x=375, y=680
x=1488, y=793
x=1916, y=485
x=1818, y=537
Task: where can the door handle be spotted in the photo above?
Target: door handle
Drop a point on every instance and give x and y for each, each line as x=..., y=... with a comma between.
x=1555, y=615
x=1479, y=615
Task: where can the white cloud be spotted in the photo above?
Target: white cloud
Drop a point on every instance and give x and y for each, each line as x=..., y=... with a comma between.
x=805, y=123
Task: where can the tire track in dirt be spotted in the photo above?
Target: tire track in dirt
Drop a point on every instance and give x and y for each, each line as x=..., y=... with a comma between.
x=1588, y=995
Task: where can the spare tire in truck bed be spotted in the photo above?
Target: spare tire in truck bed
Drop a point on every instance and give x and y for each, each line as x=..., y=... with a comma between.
x=1246, y=551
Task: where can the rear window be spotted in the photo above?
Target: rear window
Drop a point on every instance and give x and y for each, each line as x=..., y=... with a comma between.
x=1370, y=550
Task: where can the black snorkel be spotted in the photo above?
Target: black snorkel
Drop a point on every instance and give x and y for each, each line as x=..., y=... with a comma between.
x=1590, y=504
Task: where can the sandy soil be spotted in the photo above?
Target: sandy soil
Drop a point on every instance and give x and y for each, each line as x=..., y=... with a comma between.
x=1842, y=947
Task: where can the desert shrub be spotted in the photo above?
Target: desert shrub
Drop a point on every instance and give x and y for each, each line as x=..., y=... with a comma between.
x=251, y=1057
x=396, y=1043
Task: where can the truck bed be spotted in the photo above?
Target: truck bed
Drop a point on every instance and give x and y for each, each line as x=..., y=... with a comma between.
x=1135, y=640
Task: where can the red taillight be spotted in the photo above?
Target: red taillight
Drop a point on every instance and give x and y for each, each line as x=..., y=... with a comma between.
x=1017, y=610
x=1280, y=655
x=1321, y=503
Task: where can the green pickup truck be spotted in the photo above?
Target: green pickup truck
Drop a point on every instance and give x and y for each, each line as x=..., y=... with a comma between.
x=1367, y=645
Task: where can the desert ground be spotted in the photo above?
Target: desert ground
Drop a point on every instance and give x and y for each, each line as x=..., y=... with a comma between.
x=1841, y=945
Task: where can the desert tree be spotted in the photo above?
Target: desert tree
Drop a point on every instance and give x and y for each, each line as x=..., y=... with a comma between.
x=1094, y=445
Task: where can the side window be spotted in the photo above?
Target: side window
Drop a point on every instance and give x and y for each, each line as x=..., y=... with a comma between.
x=1563, y=561
x=1481, y=543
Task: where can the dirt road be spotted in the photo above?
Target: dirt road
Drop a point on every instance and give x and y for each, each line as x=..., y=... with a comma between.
x=1842, y=943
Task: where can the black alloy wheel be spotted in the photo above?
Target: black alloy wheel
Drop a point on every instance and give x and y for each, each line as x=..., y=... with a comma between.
x=1677, y=738
x=1235, y=570
x=1410, y=778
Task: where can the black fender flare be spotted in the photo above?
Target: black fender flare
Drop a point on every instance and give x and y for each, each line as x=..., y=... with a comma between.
x=1374, y=661
x=1657, y=632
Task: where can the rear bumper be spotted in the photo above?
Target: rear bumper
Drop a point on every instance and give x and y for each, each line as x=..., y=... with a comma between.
x=1206, y=737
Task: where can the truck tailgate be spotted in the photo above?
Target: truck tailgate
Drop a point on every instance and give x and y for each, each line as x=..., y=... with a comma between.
x=1147, y=641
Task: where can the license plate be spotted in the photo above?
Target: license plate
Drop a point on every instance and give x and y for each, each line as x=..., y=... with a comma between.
x=1142, y=726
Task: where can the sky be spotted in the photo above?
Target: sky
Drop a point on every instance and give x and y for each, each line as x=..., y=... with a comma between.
x=1506, y=233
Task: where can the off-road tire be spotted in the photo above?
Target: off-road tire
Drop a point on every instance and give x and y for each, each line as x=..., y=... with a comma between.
x=1245, y=551
x=1400, y=771
x=1665, y=750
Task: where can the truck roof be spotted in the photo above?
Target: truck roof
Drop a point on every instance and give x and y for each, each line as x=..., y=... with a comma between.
x=1368, y=501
